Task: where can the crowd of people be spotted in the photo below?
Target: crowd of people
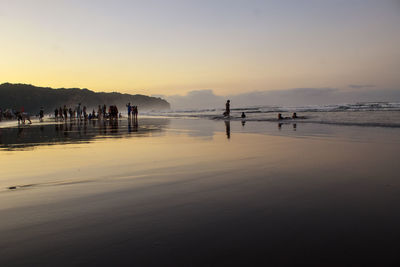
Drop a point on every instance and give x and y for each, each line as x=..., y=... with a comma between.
x=10, y=114
x=80, y=112
x=132, y=111
x=63, y=113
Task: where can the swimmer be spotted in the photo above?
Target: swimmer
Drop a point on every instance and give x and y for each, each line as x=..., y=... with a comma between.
x=294, y=116
x=282, y=118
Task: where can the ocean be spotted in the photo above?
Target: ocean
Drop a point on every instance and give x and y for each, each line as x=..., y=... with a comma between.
x=375, y=114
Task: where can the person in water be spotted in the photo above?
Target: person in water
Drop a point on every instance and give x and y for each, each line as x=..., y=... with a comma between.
x=243, y=115
x=227, y=108
x=294, y=116
x=282, y=118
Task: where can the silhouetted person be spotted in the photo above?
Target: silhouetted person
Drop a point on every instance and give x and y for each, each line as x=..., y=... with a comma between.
x=227, y=108
x=135, y=112
x=56, y=113
x=104, y=110
x=294, y=116
x=99, y=112
x=71, y=113
x=282, y=118
x=41, y=114
x=65, y=112
x=79, y=111
x=243, y=115
x=129, y=109
x=85, y=115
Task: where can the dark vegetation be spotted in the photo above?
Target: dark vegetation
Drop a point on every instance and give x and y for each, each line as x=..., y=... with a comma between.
x=16, y=96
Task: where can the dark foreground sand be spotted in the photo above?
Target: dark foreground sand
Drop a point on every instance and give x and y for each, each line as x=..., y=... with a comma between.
x=180, y=193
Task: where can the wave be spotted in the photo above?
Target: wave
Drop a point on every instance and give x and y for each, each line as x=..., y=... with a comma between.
x=368, y=114
x=360, y=106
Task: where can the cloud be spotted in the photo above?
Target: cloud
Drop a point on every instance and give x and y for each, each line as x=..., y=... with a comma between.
x=358, y=86
x=199, y=99
x=203, y=99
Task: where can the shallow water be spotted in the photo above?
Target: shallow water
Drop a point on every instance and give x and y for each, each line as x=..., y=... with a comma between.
x=198, y=192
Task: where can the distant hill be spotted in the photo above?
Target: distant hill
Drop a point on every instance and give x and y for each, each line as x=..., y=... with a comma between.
x=32, y=98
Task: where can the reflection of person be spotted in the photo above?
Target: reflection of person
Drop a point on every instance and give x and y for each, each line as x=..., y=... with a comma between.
x=228, y=129
x=227, y=108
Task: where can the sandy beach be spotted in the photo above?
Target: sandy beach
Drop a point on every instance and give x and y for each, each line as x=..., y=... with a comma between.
x=195, y=192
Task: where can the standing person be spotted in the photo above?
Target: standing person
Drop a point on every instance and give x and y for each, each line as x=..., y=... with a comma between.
x=65, y=112
x=60, y=113
x=129, y=109
x=99, y=112
x=71, y=113
x=227, y=108
x=41, y=114
x=85, y=115
x=56, y=113
x=79, y=111
x=104, y=110
x=136, y=112
x=1, y=114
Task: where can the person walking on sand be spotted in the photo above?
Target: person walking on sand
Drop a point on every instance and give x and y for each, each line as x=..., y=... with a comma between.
x=227, y=108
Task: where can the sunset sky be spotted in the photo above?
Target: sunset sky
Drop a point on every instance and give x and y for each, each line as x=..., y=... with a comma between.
x=171, y=47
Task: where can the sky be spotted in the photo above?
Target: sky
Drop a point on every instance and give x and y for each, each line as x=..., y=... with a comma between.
x=227, y=47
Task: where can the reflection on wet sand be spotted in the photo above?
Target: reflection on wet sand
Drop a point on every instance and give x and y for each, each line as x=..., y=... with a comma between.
x=228, y=129
x=294, y=125
x=75, y=131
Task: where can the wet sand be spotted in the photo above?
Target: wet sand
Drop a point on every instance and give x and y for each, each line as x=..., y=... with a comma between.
x=190, y=192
